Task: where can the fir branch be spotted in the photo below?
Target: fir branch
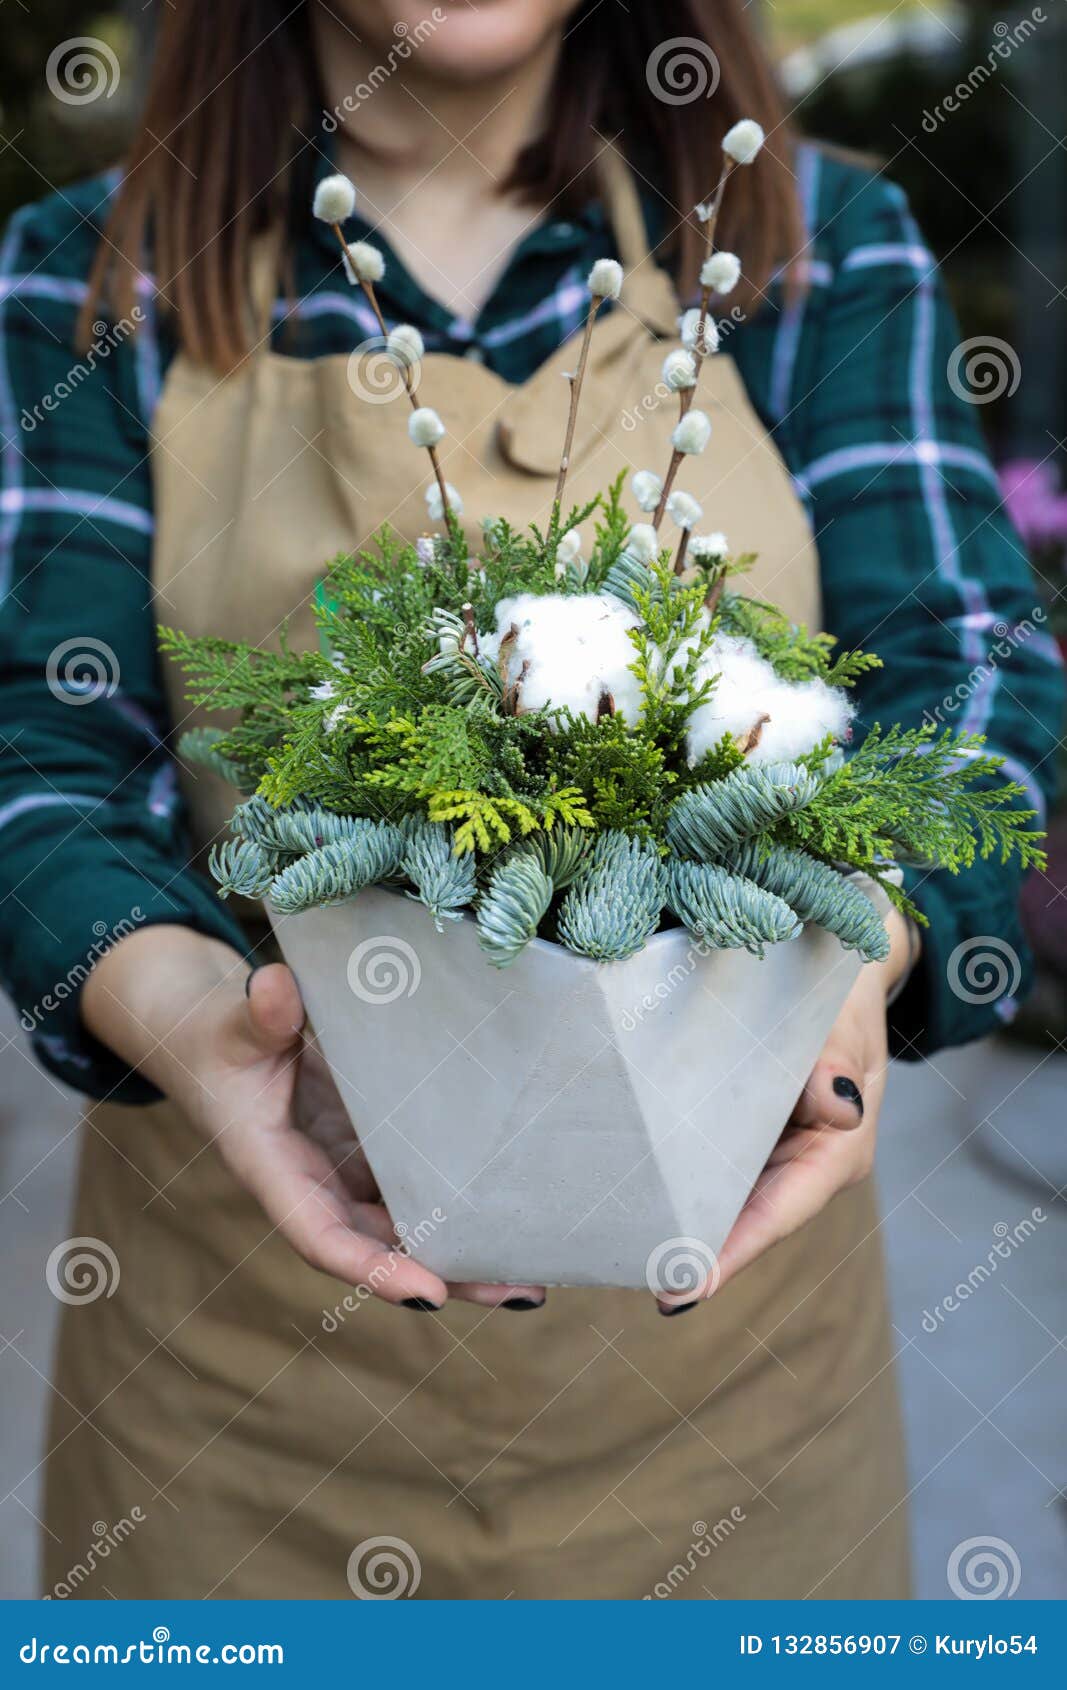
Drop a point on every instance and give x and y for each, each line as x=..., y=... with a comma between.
x=817, y=893
x=238, y=866
x=726, y=910
x=338, y=871
x=614, y=907
x=709, y=821
x=512, y=906
x=444, y=882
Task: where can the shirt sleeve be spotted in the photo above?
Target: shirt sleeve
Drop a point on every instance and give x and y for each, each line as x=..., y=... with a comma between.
x=920, y=564
x=92, y=842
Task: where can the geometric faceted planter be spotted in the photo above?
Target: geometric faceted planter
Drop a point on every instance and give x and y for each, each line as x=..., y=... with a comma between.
x=562, y=1122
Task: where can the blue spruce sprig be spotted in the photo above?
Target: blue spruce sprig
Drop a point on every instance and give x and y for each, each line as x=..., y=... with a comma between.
x=443, y=881
x=614, y=906
x=293, y=828
x=511, y=907
x=818, y=893
x=727, y=911
x=710, y=821
x=241, y=867
x=200, y=745
x=339, y=870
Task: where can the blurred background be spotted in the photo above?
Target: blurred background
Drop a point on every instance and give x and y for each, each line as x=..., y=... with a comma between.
x=963, y=105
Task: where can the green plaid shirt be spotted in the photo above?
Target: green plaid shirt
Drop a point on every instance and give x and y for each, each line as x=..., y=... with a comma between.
x=918, y=562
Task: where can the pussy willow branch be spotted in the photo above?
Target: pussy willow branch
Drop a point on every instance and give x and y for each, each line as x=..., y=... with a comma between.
x=405, y=375
x=576, y=393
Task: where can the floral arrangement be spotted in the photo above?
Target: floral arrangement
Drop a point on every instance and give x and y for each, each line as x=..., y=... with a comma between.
x=582, y=731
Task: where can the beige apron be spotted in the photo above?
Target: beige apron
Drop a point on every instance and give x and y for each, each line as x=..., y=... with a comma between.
x=750, y=1448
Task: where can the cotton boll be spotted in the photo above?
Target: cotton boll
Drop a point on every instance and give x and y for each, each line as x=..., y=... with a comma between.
x=801, y=713
x=425, y=427
x=683, y=509
x=404, y=345
x=721, y=272
x=435, y=504
x=689, y=329
x=691, y=433
x=646, y=488
x=706, y=548
x=743, y=141
x=642, y=542
x=363, y=262
x=679, y=370
x=335, y=199
x=605, y=279
x=577, y=648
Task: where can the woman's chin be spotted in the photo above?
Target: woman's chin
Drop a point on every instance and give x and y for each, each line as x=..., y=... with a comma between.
x=459, y=40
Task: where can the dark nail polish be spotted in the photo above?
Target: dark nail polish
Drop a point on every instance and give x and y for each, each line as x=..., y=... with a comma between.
x=679, y=1308
x=523, y=1303
x=423, y=1304
x=248, y=978
x=844, y=1087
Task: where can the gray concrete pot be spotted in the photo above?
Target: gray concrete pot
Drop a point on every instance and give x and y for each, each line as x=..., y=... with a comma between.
x=561, y=1122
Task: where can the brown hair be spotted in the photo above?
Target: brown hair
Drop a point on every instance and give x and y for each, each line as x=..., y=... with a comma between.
x=219, y=156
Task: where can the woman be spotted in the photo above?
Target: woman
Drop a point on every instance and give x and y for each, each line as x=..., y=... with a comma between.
x=267, y=1426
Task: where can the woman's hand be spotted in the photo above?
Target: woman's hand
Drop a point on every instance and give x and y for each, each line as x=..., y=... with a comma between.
x=228, y=1047
x=828, y=1144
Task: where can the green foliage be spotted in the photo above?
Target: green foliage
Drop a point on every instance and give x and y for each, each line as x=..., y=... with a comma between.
x=727, y=911
x=613, y=908
x=709, y=821
x=399, y=751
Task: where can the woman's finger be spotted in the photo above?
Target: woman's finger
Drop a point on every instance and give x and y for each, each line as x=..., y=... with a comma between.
x=272, y=1015
x=834, y=1094
x=499, y=1296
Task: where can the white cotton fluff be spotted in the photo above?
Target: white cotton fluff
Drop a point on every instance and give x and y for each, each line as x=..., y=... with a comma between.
x=404, y=345
x=577, y=648
x=435, y=504
x=425, y=427
x=801, y=713
x=683, y=509
x=692, y=432
x=689, y=328
x=743, y=141
x=721, y=272
x=605, y=279
x=642, y=542
x=679, y=370
x=646, y=488
x=705, y=548
x=335, y=199
x=363, y=262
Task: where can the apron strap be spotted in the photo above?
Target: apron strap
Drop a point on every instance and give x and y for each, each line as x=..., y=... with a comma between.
x=648, y=291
